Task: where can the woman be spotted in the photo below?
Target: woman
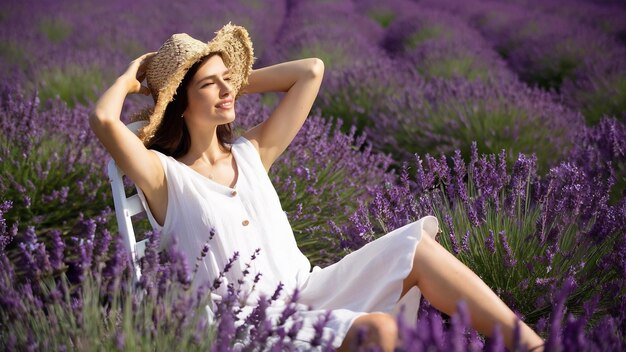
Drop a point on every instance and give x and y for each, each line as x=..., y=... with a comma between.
x=192, y=177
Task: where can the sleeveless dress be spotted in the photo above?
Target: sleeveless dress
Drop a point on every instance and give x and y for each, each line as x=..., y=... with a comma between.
x=249, y=216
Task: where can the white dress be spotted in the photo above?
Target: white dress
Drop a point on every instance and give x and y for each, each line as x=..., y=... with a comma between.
x=249, y=216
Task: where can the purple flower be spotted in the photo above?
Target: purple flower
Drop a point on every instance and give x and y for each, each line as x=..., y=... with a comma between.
x=496, y=342
x=490, y=242
x=553, y=342
x=453, y=240
x=218, y=281
x=5, y=206
x=318, y=326
x=116, y=263
x=119, y=340
x=509, y=257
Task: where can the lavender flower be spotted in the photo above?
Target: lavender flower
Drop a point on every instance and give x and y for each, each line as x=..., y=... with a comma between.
x=553, y=341
x=393, y=99
x=453, y=240
x=5, y=206
x=490, y=242
x=319, y=328
x=442, y=45
x=465, y=243
x=440, y=116
x=218, y=281
x=509, y=257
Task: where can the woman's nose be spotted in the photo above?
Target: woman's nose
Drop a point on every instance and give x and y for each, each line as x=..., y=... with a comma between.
x=226, y=88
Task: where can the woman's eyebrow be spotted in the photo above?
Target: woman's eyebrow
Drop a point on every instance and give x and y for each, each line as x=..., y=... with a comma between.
x=215, y=75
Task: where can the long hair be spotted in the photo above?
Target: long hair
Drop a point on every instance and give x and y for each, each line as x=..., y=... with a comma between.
x=172, y=136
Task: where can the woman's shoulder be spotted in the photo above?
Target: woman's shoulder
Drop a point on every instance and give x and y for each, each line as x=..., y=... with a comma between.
x=249, y=150
x=169, y=163
x=245, y=143
x=164, y=157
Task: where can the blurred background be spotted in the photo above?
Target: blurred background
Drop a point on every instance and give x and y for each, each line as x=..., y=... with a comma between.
x=416, y=76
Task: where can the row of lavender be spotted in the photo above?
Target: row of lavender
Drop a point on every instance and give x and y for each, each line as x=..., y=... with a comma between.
x=391, y=69
x=526, y=236
x=414, y=77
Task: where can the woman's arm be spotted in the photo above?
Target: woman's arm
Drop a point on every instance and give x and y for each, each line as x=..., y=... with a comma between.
x=301, y=80
x=129, y=153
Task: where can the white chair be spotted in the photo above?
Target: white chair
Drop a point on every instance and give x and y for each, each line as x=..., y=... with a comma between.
x=125, y=209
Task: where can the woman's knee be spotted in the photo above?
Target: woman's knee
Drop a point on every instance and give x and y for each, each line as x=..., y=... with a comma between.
x=383, y=324
x=429, y=249
x=427, y=241
x=427, y=253
x=424, y=248
x=378, y=328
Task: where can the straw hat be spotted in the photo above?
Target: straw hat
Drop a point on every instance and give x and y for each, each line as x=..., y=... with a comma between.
x=168, y=67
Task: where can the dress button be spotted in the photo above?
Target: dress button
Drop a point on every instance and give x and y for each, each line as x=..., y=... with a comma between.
x=245, y=222
x=233, y=193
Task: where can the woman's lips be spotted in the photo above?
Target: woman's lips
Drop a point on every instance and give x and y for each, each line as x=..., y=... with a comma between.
x=225, y=106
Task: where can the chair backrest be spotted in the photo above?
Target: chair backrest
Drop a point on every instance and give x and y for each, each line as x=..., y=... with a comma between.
x=125, y=208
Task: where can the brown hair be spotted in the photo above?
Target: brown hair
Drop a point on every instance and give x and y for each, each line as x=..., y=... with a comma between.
x=172, y=136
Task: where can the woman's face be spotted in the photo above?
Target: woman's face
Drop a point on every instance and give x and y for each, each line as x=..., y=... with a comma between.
x=210, y=97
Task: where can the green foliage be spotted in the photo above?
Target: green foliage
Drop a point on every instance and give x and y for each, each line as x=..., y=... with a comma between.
x=526, y=285
x=270, y=99
x=253, y=4
x=354, y=103
x=104, y=322
x=426, y=33
x=13, y=53
x=55, y=29
x=73, y=84
x=466, y=67
x=131, y=48
x=335, y=205
x=359, y=94
x=608, y=97
x=334, y=57
x=51, y=184
x=382, y=16
x=551, y=73
x=519, y=287
x=494, y=125
x=556, y=65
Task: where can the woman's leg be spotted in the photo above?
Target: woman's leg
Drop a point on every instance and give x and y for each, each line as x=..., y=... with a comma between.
x=444, y=280
x=381, y=331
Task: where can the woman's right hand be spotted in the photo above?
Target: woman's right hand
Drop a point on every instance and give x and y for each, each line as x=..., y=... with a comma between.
x=130, y=154
x=136, y=73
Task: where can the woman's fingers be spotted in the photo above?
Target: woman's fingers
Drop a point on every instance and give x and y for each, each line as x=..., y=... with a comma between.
x=136, y=73
x=143, y=61
x=151, y=53
x=146, y=57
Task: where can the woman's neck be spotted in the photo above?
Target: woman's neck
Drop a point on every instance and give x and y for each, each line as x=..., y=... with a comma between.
x=205, y=146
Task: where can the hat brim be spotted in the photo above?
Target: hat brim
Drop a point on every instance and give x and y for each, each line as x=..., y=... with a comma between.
x=235, y=46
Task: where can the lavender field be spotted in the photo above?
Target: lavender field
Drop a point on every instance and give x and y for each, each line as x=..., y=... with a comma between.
x=504, y=119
